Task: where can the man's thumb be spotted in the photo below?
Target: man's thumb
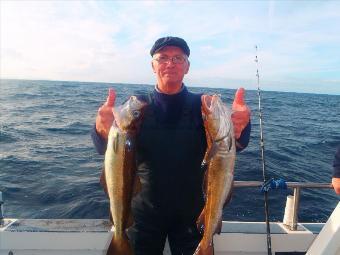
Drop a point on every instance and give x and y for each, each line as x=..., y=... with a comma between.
x=110, y=101
x=239, y=99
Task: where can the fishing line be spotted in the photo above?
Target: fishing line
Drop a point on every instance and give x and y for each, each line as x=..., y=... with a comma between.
x=266, y=206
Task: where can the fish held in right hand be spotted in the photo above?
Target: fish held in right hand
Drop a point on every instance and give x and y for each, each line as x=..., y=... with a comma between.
x=120, y=170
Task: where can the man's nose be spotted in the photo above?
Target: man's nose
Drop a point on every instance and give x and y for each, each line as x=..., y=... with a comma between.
x=170, y=62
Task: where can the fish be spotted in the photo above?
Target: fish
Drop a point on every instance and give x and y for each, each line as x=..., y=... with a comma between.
x=219, y=176
x=120, y=171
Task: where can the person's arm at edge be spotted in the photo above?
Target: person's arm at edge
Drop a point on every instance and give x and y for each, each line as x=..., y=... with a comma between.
x=336, y=172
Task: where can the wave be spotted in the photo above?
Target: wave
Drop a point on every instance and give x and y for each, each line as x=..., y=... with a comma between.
x=49, y=168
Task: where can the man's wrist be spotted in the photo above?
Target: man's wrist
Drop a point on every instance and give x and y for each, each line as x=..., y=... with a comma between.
x=243, y=141
x=99, y=142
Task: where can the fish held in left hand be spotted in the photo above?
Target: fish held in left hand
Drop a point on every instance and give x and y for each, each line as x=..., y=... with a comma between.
x=120, y=169
x=220, y=160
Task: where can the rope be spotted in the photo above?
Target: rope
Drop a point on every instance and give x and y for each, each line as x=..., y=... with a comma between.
x=273, y=184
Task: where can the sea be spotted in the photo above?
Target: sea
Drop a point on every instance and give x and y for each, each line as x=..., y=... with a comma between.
x=49, y=167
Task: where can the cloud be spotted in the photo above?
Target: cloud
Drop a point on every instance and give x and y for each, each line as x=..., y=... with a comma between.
x=50, y=38
x=109, y=40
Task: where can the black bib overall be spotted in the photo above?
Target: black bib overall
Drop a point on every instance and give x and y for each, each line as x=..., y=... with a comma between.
x=169, y=155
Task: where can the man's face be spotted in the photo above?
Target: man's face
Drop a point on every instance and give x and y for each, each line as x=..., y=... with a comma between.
x=169, y=74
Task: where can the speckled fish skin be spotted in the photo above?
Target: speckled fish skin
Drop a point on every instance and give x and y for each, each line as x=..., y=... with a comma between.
x=120, y=171
x=220, y=160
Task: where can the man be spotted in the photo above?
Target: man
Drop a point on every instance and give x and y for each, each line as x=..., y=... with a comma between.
x=336, y=172
x=170, y=148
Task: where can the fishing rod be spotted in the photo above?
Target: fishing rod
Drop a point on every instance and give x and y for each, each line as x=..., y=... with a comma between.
x=266, y=206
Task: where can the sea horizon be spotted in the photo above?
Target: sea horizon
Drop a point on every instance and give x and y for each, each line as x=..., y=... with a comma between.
x=147, y=84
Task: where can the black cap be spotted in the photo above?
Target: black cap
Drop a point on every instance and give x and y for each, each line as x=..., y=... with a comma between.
x=170, y=41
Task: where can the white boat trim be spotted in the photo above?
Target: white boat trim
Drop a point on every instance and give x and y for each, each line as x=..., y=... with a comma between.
x=92, y=236
x=328, y=240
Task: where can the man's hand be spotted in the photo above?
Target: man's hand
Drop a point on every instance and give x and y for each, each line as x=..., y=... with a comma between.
x=241, y=113
x=104, y=118
x=336, y=185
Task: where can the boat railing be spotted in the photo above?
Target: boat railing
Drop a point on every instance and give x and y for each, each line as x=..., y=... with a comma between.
x=292, y=221
x=291, y=213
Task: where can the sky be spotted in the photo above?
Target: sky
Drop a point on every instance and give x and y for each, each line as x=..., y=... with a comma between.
x=109, y=41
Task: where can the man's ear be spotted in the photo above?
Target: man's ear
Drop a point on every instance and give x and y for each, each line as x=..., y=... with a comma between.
x=188, y=67
x=153, y=68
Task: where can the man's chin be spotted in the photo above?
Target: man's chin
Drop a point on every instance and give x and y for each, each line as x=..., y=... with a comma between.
x=172, y=83
x=171, y=79
x=170, y=86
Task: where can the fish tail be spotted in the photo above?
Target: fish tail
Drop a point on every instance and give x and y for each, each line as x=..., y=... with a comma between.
x=119, y=246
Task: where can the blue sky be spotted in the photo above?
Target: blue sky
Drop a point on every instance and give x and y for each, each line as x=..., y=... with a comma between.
x=109, y=41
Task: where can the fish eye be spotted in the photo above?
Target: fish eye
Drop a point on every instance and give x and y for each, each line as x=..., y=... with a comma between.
x=135, y=114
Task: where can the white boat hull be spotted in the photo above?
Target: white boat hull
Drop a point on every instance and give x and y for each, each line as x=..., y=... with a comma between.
x=92, y=236
x=79, y=236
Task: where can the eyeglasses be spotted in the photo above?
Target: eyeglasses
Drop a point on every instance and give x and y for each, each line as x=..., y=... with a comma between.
x=176, y=59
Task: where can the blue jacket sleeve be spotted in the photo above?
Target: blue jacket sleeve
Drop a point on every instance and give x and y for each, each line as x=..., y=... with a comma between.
x=244, y=138
x=336, y=164
x=99, y=142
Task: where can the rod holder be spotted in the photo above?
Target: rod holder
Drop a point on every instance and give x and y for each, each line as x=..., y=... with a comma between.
x=290, y=218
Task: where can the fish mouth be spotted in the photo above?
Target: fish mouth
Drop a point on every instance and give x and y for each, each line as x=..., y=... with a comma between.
x=127, y=116
x=206, y=104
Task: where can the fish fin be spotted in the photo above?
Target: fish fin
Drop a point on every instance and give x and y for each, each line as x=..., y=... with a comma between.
x=111, y=218
x=205, y=159
x=102, y=181
x=213, y=150
x=200, y=222
x=219, y=226
x=207, y=135
x=227, y=200
x=205, y=185
x=230, y=194
x=130, y=220
x=210, y=153
x=137, y=186
x=115, y=141
x=205, y=124
x=119, y=246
